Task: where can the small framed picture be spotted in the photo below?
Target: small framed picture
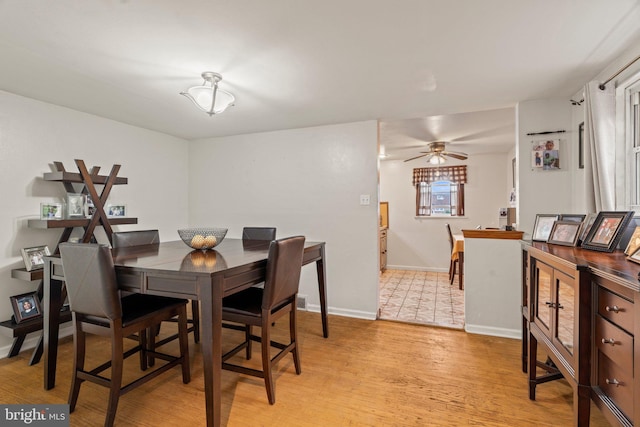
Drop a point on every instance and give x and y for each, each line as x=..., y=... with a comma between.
x=76, y=205
x=90, y=208
x=50, y=210
x=117, y=210
x=634, y=243
x=586, y=226
x=542, y=227
x=606, y=231
x=565, y=233
x=34, y=257
x=635, y=257
x=572, y=217
x=26, y=306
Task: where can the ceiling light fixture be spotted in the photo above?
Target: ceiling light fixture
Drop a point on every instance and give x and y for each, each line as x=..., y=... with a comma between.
x=208, y=97
x=437, y=159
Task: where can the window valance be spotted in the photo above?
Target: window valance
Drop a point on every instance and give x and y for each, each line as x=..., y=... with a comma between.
x=454, y=174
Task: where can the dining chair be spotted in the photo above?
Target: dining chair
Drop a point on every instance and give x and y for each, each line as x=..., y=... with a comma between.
x=453, y=264
x=259, y=233
x=125, y=239
x=262, y=306
x=97, y=308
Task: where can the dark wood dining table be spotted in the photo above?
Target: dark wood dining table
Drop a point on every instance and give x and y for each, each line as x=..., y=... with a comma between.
x=173, y=269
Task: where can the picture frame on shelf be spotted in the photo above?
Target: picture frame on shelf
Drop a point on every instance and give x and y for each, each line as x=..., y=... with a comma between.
x=76, y=205
x=565, y=233
x=572, y=217
x=50, y=210
x=90, y=207
x=26, y=306
x=634, y=242
x=542, y=227
x=116, y=210
x=586, y=226
x=34, y=257
x=606, y=230
x=635, y=257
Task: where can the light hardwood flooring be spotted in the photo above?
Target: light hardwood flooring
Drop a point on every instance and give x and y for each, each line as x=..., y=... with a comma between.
x=423, y=297
x=367, y=373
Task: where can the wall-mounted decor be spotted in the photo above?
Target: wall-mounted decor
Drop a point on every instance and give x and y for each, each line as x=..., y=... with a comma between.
x=581, y=146
x=607, y=230
x=545, y=154
x=26, y=306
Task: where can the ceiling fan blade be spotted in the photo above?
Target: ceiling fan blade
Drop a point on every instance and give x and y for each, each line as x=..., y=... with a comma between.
x=459, y=156
x=417, y=157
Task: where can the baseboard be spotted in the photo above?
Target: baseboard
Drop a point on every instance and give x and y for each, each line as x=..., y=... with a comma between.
x=342, y=312
x=414, y=268
x=494, y=332
x=31, y=342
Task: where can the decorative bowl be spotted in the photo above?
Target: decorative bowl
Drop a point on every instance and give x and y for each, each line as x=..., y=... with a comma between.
x=202, y=238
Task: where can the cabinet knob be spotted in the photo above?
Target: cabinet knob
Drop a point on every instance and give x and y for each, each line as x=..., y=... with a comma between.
x=550, y=304
x=612, y=382
x=609, y=341
x=615, y=308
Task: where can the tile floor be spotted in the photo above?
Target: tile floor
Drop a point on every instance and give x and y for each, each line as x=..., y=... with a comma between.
x=423, y=297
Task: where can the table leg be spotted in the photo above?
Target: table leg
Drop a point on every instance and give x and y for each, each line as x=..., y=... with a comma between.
x=211, y=347
x=322, y=289
x=461, y=272
x=51, y=323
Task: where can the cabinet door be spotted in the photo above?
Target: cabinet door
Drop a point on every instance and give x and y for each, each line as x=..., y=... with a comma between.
x=565, y=314
x=543, y=296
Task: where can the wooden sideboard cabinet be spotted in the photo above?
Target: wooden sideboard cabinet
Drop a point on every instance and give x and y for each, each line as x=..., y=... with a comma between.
x=582, y=309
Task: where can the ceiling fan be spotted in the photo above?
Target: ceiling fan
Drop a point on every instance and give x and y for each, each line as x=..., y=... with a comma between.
x=436, y=154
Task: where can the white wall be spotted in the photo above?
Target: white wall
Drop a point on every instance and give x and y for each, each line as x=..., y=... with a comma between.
x=302, y=181
x=540, y=191
x=33, y=134
x=422, y=243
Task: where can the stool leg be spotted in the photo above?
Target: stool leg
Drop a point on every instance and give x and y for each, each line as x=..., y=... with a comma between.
x=117, y=349
x=79, y=345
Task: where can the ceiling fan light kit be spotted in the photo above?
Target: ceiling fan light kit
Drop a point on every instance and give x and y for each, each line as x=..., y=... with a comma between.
x=437, y=154
x=208, y=97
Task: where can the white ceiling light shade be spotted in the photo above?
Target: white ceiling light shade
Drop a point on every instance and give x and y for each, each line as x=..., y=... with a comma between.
x=437, y=159
x=208, y=97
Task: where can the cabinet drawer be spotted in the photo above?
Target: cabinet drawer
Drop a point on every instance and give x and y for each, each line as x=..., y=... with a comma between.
x=616, y=383
x=615, y=308
x=615, y=343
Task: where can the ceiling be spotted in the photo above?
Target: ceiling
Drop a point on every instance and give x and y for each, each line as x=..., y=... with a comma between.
x=295, y=63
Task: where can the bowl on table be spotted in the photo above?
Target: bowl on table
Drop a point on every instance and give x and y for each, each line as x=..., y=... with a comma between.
x=202, y=238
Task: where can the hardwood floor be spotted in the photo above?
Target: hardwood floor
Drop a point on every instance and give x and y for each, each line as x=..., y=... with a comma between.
x=423, y=297
x=367, y=373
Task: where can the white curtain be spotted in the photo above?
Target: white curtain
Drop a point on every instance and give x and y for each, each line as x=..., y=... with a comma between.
x=600, y=144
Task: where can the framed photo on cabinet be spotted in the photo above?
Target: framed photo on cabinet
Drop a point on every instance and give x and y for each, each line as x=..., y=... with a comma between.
x=542, y=227
x=565, y=233
x=606, y=231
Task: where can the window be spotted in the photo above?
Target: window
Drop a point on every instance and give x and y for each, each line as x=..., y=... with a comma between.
x=440, y=190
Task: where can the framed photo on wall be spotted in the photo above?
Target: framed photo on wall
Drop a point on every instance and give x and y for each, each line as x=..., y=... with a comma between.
x=26, y=306
x=606, y=231
x=565, y=233
x=542, y=227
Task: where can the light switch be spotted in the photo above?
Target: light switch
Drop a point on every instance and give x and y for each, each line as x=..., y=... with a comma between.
x=365, y=199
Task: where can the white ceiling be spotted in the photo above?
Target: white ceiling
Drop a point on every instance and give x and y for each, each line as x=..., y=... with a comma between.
x=299, y=63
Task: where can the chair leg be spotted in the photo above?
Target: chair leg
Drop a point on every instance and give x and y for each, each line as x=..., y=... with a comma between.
x=266, y=362
x=184, y=345
x=195, y=315
x=142, y=341
x=247, y=337
x=453, y=272
x=117, y=363
x=78, y=365
x=293, y=333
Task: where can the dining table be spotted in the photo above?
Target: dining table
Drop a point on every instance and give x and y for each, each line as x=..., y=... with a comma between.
x=173, y=269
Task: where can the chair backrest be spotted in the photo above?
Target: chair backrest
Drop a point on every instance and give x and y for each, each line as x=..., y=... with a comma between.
x=283, y=270
x=90, y=279
x=124, y=239
x=450, y=235
x=259, y=233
